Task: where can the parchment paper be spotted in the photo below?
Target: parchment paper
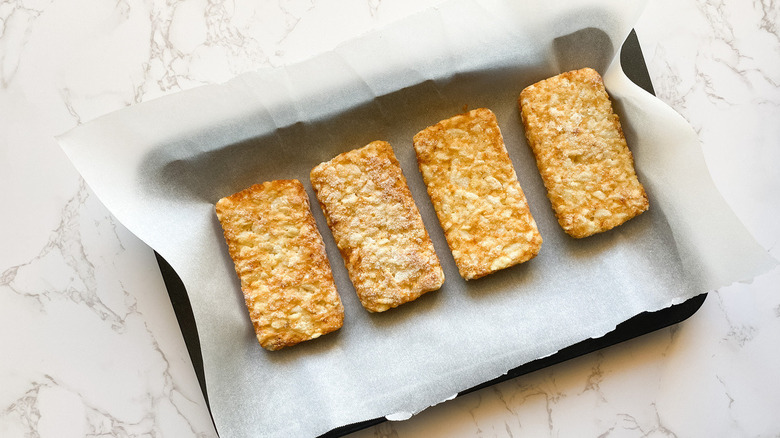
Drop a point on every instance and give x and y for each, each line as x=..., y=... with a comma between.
x=159, y=167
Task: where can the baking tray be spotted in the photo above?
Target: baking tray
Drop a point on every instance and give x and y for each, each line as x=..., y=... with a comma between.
x=634, y=66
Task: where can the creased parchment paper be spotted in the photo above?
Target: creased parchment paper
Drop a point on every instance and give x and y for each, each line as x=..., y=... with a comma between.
x=159, y=167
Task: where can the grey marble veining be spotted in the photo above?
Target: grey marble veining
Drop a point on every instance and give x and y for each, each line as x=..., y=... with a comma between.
x=89, y=340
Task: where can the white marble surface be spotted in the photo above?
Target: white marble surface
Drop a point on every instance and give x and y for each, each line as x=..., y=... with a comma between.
x=90, y=345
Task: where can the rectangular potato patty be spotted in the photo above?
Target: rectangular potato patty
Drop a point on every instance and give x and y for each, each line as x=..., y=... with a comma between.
x=581, y=153
x=377, y=227
x=474, y=189
x=280, y=258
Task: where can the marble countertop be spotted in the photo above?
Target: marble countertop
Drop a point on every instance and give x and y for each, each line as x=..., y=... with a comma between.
x=90, y=342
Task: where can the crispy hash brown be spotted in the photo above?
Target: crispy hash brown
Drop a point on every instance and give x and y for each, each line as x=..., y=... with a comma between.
x=581, y=153
x=474, y=189
x=377, y=227
x=280, y=259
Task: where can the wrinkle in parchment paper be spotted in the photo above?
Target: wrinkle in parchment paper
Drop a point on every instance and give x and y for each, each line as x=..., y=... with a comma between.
x=159, y=167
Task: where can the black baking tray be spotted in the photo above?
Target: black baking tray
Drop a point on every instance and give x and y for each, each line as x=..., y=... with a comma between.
x=634, y=66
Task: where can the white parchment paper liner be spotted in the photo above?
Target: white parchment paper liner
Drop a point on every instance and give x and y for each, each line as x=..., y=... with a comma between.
x=159, y=167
